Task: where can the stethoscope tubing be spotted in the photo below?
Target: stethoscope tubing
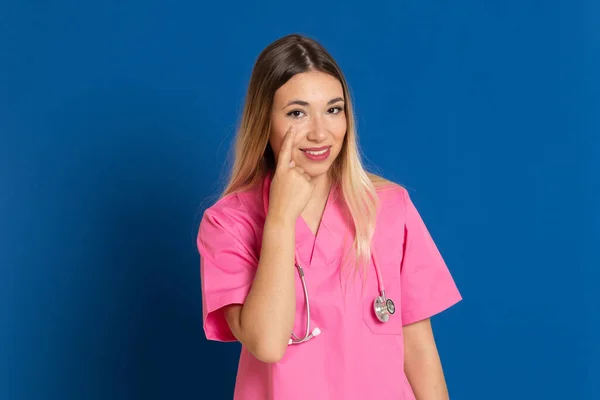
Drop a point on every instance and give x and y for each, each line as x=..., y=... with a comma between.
x=308, y=334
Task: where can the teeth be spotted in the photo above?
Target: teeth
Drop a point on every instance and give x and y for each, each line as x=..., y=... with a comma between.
x=316, y=153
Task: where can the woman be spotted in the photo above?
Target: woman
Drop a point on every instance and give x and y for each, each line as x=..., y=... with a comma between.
x=298, y=195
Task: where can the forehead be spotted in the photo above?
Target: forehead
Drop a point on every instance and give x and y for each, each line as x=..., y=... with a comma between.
x=312, y=87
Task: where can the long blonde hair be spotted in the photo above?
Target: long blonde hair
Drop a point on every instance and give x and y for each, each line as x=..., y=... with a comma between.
x=254, y=158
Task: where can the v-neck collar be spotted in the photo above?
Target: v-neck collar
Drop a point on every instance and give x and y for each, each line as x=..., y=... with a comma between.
x=311, y=248
x=321, y=220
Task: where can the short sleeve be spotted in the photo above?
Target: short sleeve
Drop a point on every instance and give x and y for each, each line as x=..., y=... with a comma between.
x=227, y=269
x=427, y=285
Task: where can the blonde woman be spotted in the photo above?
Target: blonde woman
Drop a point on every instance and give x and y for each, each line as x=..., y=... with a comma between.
x=324, y=272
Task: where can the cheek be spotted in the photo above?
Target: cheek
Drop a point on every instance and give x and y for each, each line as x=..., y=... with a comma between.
x=339, y=130
x=275, y=143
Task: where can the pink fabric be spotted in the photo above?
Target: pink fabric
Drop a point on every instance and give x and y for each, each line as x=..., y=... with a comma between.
x=356, y=356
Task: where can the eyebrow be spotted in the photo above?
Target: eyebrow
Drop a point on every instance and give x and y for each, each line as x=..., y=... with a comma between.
x=305, y=103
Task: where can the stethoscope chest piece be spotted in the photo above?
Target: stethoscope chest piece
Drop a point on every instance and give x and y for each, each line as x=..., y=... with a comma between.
x=383, y=308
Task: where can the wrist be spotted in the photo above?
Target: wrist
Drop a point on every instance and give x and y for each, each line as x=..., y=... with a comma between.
x=279, y=222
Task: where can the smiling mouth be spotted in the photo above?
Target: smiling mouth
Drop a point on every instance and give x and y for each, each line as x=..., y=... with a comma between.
x=317, y=154
x=316, y=151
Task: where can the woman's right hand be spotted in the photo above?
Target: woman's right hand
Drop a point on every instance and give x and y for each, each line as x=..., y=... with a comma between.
x=291, y=187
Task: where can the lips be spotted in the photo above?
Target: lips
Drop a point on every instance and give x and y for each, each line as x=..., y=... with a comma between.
x=316, y=148
x=317, y=153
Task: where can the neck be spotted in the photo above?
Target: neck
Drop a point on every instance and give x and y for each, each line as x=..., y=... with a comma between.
x=322, y=185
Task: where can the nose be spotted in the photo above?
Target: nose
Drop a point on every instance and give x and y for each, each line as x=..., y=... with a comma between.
x=317, y=131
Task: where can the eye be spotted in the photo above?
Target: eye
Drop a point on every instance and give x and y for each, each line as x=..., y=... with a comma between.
x=295, y=113
x=335, y=110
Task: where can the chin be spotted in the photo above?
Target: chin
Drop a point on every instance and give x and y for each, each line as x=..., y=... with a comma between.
x=316, y=169
x=316, y=172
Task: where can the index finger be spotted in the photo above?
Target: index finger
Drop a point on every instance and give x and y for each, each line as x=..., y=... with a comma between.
x=285, y=153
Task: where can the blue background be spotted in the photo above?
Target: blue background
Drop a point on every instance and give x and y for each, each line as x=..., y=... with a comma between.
x=116, y=121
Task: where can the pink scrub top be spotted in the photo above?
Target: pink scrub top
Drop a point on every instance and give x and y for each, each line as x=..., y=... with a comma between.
x=356, y=356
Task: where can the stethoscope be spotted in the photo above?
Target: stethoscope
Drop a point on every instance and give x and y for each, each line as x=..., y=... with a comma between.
x=382, y=306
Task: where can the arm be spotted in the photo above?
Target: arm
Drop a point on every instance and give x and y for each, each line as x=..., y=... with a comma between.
x=265, y=321
x=422, y=363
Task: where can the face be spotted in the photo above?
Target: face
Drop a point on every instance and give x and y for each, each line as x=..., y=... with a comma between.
x=314, y=103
